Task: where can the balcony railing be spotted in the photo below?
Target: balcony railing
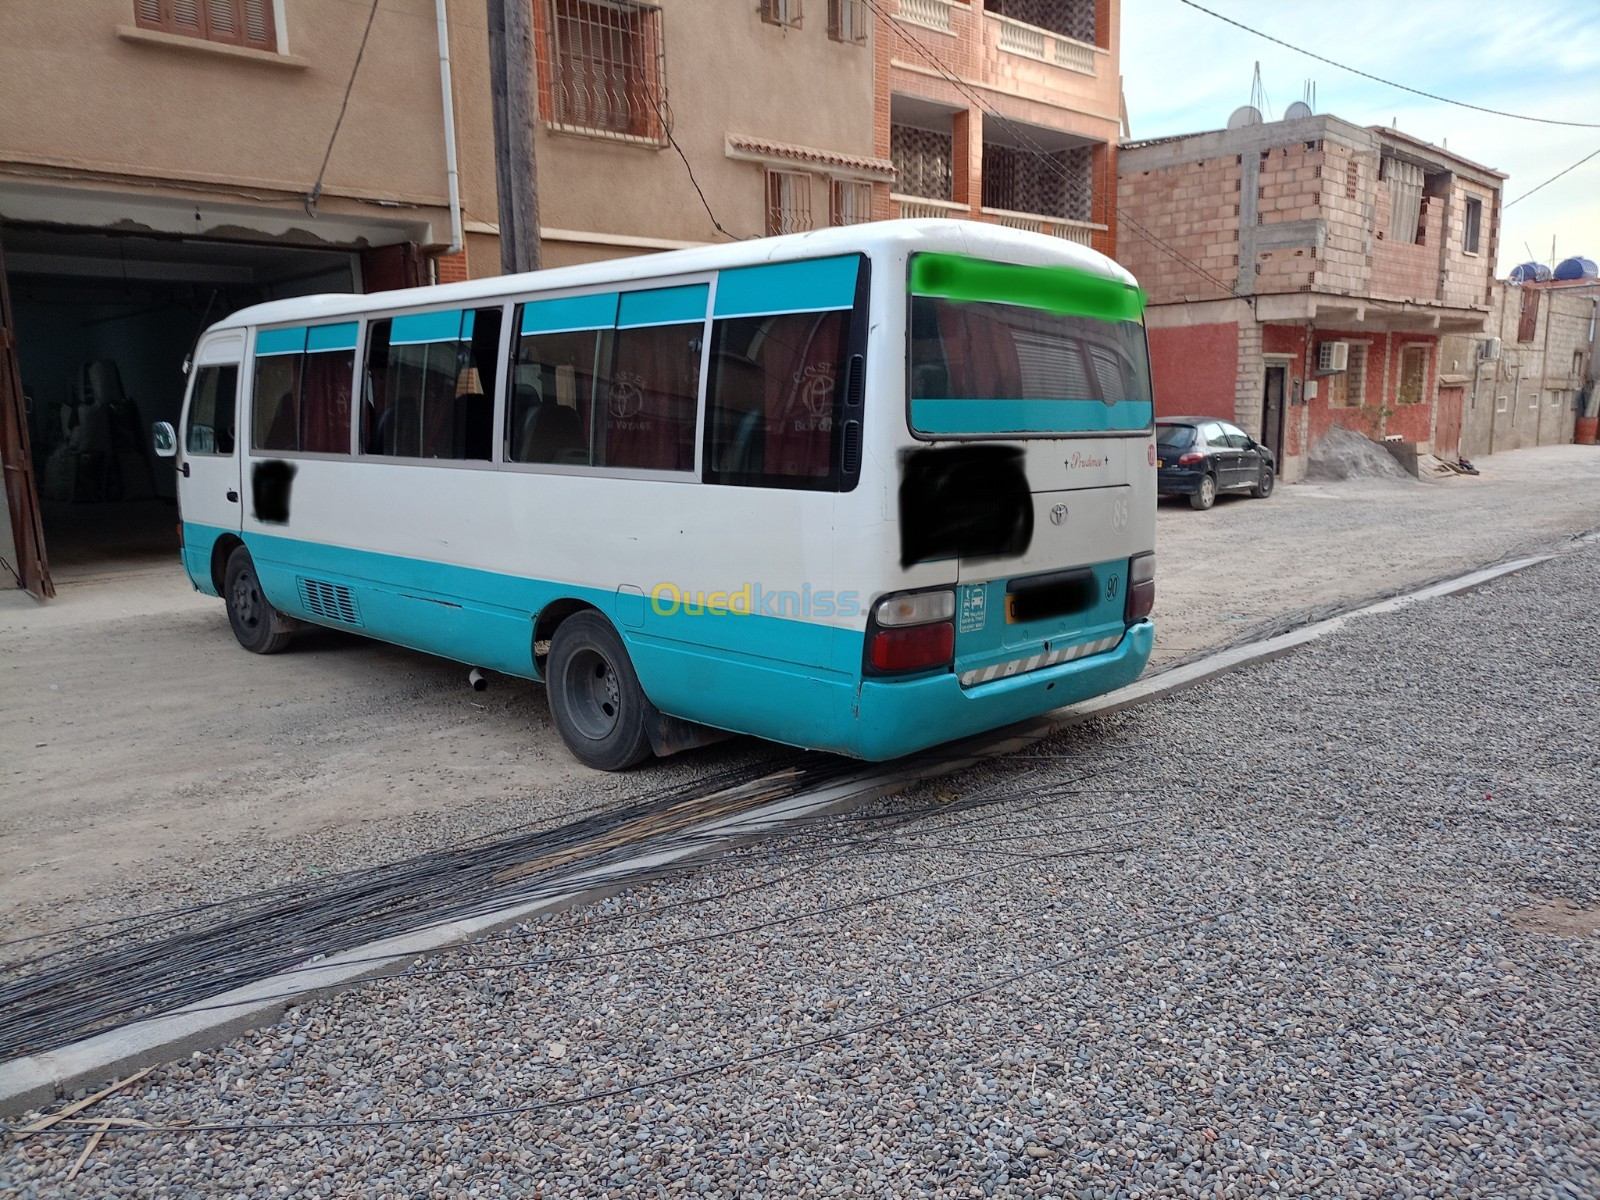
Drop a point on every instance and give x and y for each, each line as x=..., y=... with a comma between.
x=935, y=14
x=922, y=206
x=1081, y=232
x=1041, y=44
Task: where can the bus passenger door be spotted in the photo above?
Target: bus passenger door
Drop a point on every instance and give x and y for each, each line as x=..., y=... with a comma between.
x=208, y=454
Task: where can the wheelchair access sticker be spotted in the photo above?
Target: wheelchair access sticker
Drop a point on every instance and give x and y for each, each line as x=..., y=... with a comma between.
x=973, y=613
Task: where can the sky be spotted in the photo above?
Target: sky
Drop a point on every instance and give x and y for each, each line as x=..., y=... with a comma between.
x=1185, y=72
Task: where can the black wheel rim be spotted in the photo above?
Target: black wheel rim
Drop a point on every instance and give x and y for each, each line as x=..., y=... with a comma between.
x=247, y=600
x=594, y=694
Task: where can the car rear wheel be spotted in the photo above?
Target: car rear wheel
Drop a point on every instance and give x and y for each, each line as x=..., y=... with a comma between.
x=1207, y=495
x=595, y=697
x=1263, y=487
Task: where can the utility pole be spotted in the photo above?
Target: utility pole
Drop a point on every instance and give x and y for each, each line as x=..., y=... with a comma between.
x=511, y=86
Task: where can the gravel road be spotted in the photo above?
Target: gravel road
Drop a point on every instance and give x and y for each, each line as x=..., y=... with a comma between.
x=147, y=762
x=1325, y=927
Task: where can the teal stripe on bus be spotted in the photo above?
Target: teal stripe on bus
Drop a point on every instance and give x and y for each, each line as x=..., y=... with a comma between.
x=1029, y=416
x=415, y=328
x=818, y=285
x=570, y=314
x=281, y=341
x=332, y=337
x=663, y=306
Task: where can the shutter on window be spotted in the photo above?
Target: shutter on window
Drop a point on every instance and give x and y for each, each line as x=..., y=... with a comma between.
x=257, y=23
x=149, y=12
x=183, y=16
x=222, y=20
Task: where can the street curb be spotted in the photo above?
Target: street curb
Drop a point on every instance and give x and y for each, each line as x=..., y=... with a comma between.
x=38, y=1079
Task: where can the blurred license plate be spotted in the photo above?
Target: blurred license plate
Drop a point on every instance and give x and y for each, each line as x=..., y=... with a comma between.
x=1161, y=462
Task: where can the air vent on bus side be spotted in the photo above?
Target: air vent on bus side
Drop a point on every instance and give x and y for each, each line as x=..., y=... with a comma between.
x=329, y=601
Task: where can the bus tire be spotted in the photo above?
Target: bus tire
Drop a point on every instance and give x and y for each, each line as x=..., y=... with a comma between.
x=260, y=628
x=595, y=697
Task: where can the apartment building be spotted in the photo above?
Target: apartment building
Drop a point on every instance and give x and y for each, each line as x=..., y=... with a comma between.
x=1002, y=110
x=1525, y=375
x=164, y=162
x=1302, y=273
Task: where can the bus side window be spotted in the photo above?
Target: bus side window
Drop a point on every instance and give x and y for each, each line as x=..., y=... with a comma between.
x=774, y=399
x=551, y=390
x=429, y=384
x=211, y=411
x=303, y=380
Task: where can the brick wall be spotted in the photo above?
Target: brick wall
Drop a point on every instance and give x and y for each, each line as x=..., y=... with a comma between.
x=1193, y=369
x=1348, y=176
x=1194, y=209
x=1402, y=270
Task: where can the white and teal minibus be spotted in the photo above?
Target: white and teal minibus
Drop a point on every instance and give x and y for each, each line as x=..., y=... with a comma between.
x=864, y=490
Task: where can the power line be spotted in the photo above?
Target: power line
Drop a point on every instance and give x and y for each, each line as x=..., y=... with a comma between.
x=316, y=188
x=1039, y=151
x=1549, y=181
x=664, y=112
x=1380, y=79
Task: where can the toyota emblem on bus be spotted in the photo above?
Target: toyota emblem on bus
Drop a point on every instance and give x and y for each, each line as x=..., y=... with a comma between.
x=1058, y=514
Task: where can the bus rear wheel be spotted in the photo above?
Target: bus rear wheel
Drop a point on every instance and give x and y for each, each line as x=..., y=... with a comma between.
x=260, y=628
x=595, y=697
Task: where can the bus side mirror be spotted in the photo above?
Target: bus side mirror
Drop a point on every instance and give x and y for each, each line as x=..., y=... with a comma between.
x=164, y=438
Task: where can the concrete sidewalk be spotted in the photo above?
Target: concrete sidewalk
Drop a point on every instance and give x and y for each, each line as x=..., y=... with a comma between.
x=147, y=761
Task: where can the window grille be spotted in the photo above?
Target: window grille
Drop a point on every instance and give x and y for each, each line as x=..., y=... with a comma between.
x=1413, y=375
x=1054, y=185
x=233, y=22
x=1347, y=389
x=1069, y=18
x=605, y=61
x=922, y=162
x=852, y=202
x=788, y=202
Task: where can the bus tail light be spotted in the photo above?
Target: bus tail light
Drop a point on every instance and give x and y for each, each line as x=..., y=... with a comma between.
x=1141, y=587
x=914, y=647
x=912, y=631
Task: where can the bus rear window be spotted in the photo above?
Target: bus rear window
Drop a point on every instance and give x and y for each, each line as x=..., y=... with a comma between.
x=998, y=349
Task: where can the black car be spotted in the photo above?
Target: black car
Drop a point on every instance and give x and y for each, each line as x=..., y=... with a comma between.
x=1198, y=457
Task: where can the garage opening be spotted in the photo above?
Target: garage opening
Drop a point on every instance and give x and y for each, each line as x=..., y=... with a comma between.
x=104, y=322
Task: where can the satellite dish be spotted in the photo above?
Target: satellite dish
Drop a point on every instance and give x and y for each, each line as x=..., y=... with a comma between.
x=1297, y=110
x=1244, y=115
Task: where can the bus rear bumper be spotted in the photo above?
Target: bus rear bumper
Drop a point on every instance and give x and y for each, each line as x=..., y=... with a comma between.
x=902, y=717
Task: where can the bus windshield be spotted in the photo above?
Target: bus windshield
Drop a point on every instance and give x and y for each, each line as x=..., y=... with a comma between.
x=1020, y=351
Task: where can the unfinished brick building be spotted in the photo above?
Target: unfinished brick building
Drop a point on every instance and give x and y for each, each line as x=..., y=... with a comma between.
x=1301, y=274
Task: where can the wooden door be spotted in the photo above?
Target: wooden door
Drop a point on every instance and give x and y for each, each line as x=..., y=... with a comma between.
x=1447, y=425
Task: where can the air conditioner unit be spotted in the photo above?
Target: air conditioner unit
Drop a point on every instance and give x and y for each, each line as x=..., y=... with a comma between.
x=1333, y=356
x=1489, y=349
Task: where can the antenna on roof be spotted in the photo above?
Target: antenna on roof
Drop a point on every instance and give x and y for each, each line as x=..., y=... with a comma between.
x=1258, y=92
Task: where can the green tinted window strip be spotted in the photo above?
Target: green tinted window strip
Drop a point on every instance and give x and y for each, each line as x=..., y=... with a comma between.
x=1067, y=291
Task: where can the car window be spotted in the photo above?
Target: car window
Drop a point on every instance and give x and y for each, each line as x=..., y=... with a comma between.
x=1215, y=436
x=1174, y=437
x=1239, y=441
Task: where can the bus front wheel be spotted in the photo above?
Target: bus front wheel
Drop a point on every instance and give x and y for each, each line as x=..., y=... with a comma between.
x=260, y=628
x=595, y=697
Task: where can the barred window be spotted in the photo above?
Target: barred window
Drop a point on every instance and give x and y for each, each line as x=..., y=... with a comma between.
x=848, y=21
x=1348, y=388
x=852, y=202
x=923, y=160
x=781, y=12
x=788, y=202
x=234, y=22
x=1413, y=375
x=604, y=60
